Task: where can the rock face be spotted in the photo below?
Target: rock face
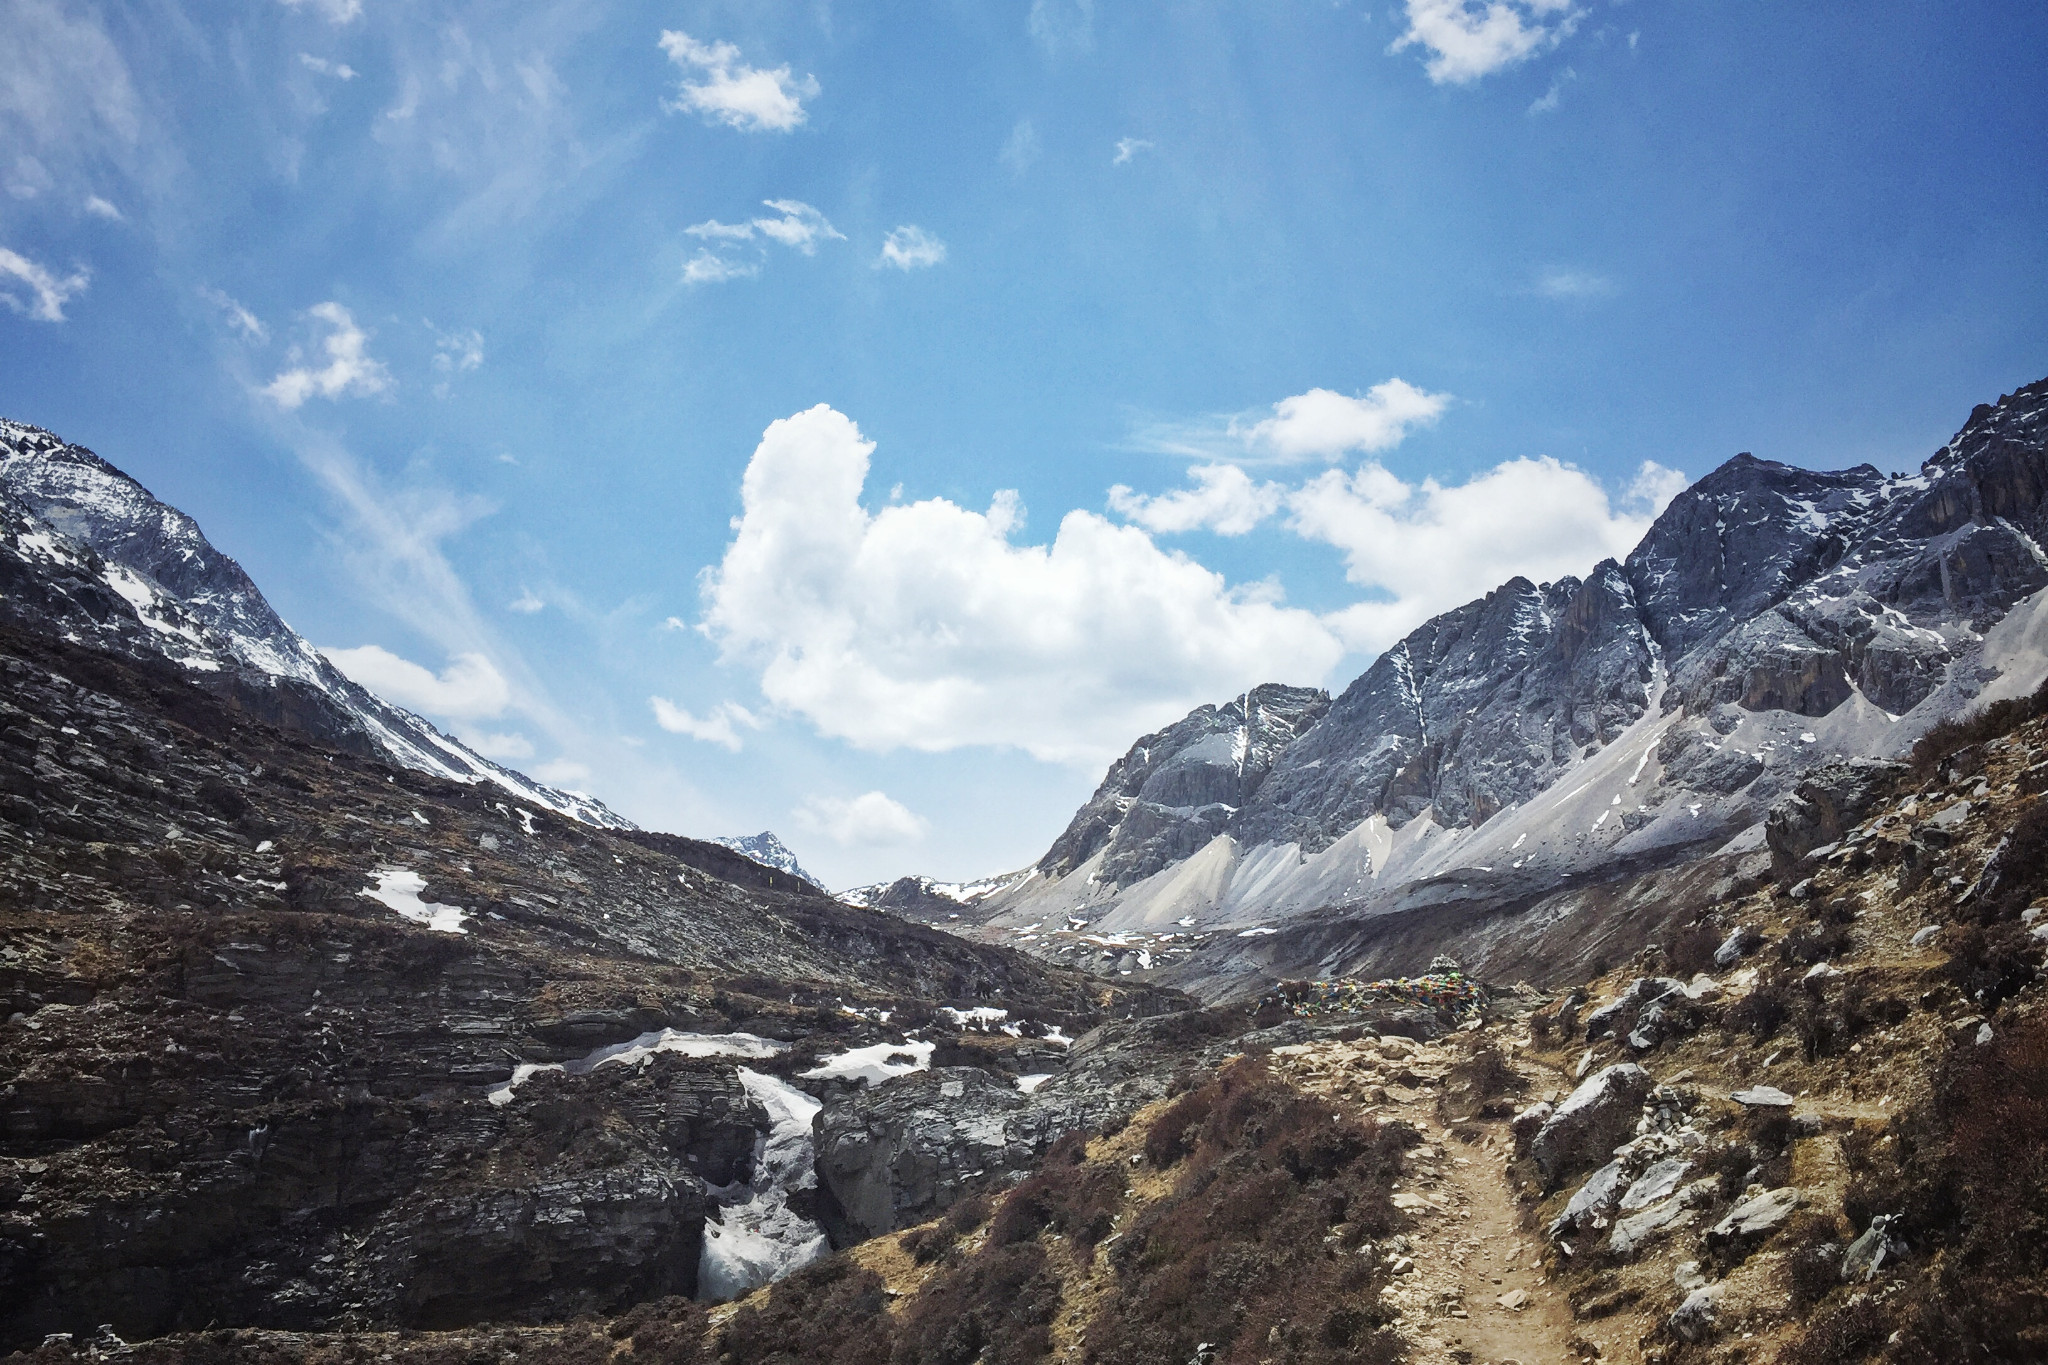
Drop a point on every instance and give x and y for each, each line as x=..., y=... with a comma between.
x=1772, y=620
x=238, y=1084
x=1178, y=789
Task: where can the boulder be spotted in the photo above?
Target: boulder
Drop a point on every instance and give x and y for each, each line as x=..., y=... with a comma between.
x=1755, y=1218
x=1658, y=1182
x=1638, y=1229
x=1592, y=1201
x=1825, y=805
x=1693, y=1320
x=1762, y=1097
x=1594, y=1119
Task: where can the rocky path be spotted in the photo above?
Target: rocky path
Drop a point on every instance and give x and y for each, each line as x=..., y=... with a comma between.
x=1472, y=1288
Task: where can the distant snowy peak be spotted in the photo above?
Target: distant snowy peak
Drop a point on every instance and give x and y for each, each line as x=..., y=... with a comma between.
x=921, y=898
x=88, y=554
x=769, y=851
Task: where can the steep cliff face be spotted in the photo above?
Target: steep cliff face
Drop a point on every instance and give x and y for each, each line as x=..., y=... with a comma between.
x=1772, y=618
x=1179, y=788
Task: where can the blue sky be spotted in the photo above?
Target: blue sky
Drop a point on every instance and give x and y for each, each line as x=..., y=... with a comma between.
x=1161, y=349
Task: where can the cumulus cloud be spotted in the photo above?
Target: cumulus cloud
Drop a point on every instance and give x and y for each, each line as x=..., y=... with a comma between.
x=926, y=626
x=1559, y=282
x=1224, y=500
x=341, y=71
x=526, y=604
x=910, y=247
x=1325, y=424
x=46, y=291
x=1424, y=548
x=334, y=11
x=794, y=224
x=101, y=208
x=1128, y=147
x=870, y=819
x=717, y=726
x=469, y=688
x=349, y=368
x=1466, y=40
x=723, y=89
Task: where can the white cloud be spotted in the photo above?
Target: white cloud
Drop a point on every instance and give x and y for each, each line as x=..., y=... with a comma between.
x=729, y=91
x=526, y=604
x=714, y=727
x=1062, y=26
x=910, y=247
x=334, y=11
x=1558, y=282
x=101, y=208
x=1424, y=548
x=1467, y=40
x=707, y=267
x=240, y=318
x=1550, y=98
x=1022, y=148
x=349, y=368
x=48, y=292
x=1128, y=147
x=924, y=626
x=469, y=688
x=869, y=819
x=796, y=225
x=341, y=71
x=1325, y=424
x=456, y=353
x=1224, y=500
x=504, y=748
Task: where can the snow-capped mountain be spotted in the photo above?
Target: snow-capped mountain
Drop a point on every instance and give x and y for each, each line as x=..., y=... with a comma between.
x=1771, y=618
x=86, y=552
x=935, y=902
x=769, y=851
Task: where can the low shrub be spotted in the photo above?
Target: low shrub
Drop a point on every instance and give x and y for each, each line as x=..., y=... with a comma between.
x=996, y=1308
x=1263, y=1248
x=829, y=1313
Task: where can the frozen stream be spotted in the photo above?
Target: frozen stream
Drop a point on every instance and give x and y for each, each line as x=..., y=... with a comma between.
x=645, y=1046
x=757, y=1237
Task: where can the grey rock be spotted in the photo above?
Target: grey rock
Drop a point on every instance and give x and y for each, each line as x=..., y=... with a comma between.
x=1762, y=1097
x=1658, y=1182
x=1633, y=1233
x=1756, y=1217
x=1693, y=1320
x=1594, y=1119
x=1592, y=1201
x=1825, y=806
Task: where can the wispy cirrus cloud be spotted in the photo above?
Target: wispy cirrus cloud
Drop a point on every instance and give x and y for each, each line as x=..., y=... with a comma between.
x=44, y=292
x=720, y=725
x=1465, y=41
x=1563, y=282
x=721, y=88
x=1128, y=147
x=795, y=225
